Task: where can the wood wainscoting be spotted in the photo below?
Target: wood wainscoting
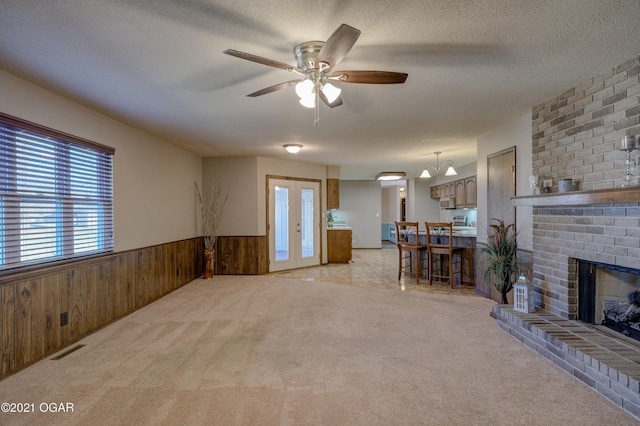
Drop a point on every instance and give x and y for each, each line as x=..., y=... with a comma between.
x=89, y=293
x=247, y=255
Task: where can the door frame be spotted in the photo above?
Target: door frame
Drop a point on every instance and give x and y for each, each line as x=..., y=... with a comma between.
x=320, y=215
x=508, y=209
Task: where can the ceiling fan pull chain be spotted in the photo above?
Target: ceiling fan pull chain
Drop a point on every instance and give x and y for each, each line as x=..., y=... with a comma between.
x=317, y=108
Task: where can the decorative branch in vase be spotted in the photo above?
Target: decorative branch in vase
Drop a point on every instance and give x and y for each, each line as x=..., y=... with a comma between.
x=211, y=209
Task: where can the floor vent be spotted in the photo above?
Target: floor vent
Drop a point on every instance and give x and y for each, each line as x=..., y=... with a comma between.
x=67, y=352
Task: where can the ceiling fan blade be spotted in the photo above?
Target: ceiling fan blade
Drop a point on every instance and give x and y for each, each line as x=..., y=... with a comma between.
x=338, y=45
x=273, y=88
x=369, y=77
x=335, y=103
x=263, y=61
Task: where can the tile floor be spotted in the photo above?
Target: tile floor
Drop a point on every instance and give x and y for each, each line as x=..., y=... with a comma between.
x=373, y=268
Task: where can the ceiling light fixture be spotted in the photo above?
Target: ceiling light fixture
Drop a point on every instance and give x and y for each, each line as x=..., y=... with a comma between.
x=390, y=175
x=450, y=170
x=292, y=148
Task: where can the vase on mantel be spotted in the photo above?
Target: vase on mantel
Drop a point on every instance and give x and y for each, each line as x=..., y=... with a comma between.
x=209, y=263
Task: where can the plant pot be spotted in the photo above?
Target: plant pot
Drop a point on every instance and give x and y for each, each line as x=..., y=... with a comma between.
x=503, y=298
x=209, y=263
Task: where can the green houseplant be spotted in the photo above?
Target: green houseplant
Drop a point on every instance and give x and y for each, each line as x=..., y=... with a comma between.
x=330, y=219
x=501, y=249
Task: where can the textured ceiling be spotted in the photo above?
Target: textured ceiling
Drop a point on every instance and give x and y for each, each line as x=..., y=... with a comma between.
x=473, y=66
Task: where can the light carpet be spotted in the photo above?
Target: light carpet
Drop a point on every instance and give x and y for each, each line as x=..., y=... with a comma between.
x=269, y=350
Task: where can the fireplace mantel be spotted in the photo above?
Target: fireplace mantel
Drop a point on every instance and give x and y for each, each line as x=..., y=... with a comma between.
x=580, y=198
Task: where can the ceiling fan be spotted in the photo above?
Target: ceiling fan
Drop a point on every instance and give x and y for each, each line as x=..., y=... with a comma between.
x=316, y=61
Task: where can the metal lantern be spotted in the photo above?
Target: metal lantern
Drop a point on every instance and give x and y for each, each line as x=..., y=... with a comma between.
x=523, y=295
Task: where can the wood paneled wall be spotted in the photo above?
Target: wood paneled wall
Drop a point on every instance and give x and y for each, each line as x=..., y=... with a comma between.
x=242, y=255
x=92, y=293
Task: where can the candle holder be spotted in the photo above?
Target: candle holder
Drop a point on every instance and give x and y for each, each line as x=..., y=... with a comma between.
x=628, y=144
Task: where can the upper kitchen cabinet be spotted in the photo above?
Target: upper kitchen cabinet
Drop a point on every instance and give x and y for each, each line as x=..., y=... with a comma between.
x=463, y=189
x=470, y=192
x=459, y=193
x=333, y=194
x=435, y=192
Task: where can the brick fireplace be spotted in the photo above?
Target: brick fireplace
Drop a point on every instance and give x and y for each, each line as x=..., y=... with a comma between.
x=577, y=135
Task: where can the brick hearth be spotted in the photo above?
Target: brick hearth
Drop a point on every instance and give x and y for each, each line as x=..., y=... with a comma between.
x=609, y=365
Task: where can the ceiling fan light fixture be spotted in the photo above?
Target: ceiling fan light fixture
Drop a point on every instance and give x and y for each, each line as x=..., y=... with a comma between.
x=292, y=148
x=390, y=175
x=304, y=89
x=308, y=102
x=331, y=92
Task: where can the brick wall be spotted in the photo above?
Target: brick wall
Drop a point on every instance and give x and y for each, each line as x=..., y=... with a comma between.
x=577, y=135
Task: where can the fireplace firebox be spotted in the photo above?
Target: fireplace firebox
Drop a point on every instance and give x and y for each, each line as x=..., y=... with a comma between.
x=609, y=295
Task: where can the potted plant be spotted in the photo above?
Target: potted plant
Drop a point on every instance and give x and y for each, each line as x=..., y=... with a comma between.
x=330, y=219
x=502, y=257
x=211, y=211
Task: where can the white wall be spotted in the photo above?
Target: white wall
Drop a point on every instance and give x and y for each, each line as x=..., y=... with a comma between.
x=518, y=134
x=390, y=204
x=154, y=197
x=420, y=206
x=360, y=203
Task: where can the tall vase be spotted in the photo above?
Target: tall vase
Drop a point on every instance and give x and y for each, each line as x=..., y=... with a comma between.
x=209, y=263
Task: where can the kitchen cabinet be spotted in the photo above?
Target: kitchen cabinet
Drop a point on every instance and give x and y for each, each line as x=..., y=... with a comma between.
x=435, y=192
x=470, y=192
x=333, y=194
x=464, y=190
x=338, y=245
x=459, y=193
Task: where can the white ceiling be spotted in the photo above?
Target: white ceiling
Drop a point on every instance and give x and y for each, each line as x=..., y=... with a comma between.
x=473, y=66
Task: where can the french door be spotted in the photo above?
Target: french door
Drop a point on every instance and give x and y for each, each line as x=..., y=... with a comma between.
x=294, y=224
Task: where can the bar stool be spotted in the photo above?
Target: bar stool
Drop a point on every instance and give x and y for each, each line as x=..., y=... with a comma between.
x=408, y=243
x=440, y=243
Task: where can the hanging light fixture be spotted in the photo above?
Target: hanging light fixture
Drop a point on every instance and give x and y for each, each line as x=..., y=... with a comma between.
x=450, y=170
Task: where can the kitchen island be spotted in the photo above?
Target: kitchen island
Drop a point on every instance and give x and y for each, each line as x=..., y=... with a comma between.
x=465, y=238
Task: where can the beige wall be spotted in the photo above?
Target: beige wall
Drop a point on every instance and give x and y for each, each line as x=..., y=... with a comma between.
x=360, y=203
x=518, y=134
x=246, y=211
x=154, y=199
x=390, y=204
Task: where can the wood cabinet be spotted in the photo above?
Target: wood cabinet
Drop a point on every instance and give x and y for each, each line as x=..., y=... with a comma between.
x=435, y=192
x=459, y=194
x=333, y=194
x=463, y=189
x=470, y=192
x=339, y=245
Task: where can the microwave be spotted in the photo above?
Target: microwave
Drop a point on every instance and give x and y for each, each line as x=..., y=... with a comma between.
x=448, y=203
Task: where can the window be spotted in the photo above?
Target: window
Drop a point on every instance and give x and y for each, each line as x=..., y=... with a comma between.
x=56, y=195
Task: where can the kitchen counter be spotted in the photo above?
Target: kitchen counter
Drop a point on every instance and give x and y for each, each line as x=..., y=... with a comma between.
x=465, y=239
x=339, y=228
x=339, y=244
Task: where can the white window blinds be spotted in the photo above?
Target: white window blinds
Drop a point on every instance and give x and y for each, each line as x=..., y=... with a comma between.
x=56, y=195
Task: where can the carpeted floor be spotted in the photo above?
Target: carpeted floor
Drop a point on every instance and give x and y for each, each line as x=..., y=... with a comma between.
x=274, y=350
